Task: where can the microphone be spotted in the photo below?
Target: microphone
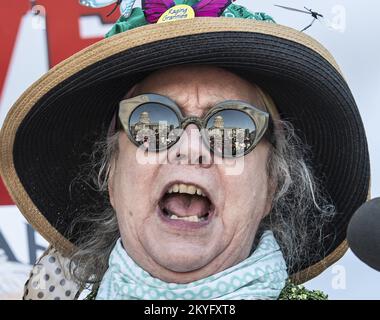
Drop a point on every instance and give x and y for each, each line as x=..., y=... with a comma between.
x=363, y=233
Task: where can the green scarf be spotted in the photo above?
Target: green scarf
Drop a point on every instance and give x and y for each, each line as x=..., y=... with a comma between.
x=261, y=276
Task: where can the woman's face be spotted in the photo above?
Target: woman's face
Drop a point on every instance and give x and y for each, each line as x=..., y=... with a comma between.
x=202, y=235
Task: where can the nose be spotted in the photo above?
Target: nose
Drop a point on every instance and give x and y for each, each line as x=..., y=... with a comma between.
x=190, y=149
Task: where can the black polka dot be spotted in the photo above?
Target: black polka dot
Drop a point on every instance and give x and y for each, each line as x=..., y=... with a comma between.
x=51, y=288
x=58, y=271
x=46, y=277
x=67, y=293
x=35, y=284
x=62, y=282
x=52, y=259
x=40, y=295
x=57, y=298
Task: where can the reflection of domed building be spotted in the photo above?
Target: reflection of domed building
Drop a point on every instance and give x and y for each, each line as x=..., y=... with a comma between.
x=143, y=123
x=144, y=117
x=155, y=132
x=231, y=139
x=218, y=122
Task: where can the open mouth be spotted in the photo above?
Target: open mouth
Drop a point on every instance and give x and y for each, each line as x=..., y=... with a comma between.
x=186, y=203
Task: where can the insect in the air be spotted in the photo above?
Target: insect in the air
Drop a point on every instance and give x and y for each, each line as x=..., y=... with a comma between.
x=316, y=16
x=126, y=6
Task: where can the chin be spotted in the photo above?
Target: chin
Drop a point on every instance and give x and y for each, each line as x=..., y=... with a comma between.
x=184, y=258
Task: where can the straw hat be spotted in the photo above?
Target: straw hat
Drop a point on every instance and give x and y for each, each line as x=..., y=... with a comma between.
x=49, y=133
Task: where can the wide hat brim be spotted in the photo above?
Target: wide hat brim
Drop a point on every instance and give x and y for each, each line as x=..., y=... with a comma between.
x=49, y=133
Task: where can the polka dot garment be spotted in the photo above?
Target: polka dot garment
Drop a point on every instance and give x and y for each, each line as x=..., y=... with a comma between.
x=50, y=280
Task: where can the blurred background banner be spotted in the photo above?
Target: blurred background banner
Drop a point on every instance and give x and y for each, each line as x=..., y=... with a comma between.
x=36, y=35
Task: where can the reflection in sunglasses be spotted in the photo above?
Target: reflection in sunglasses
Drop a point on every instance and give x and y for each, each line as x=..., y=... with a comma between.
x=229, y=140
x=154, y=135
x=223, y=140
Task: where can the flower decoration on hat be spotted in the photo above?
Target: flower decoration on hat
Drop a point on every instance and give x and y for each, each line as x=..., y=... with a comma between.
x=159, y=11
x=167, y=10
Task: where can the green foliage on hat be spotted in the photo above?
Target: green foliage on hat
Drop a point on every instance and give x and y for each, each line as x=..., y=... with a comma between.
x=136, y=19
x=237, y=11
x=188, y=2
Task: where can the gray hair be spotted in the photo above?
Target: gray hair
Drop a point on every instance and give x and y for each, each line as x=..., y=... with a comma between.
x=298, y=202
x=300, y=207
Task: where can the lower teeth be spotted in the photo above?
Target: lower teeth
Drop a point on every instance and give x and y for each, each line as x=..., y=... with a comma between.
x=191, y=218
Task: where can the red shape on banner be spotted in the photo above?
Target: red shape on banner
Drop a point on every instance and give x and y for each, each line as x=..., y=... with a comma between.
x=5, y=199
x=63, y=36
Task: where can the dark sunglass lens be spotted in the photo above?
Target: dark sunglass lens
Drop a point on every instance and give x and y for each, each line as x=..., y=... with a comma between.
x=231, y=133
x=154, y=125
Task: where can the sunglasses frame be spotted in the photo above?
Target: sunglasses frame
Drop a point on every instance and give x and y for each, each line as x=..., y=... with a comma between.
x=260, y=118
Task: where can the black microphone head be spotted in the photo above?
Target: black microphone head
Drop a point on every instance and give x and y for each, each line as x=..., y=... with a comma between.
x=363, y=233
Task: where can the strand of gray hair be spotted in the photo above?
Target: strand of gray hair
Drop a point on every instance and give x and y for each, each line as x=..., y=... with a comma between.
x=300, y=207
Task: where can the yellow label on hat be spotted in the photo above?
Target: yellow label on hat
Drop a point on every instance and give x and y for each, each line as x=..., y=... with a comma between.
x=178, y=12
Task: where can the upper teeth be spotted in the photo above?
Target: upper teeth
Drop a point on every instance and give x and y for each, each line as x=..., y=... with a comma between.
x=185, y=188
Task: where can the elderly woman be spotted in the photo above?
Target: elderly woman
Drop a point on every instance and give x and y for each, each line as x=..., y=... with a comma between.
x=205, y=158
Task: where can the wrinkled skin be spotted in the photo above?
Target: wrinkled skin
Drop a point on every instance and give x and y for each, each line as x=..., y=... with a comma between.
x=241, y=201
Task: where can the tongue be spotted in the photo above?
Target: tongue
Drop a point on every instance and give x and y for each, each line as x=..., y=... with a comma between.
x=185, y=205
